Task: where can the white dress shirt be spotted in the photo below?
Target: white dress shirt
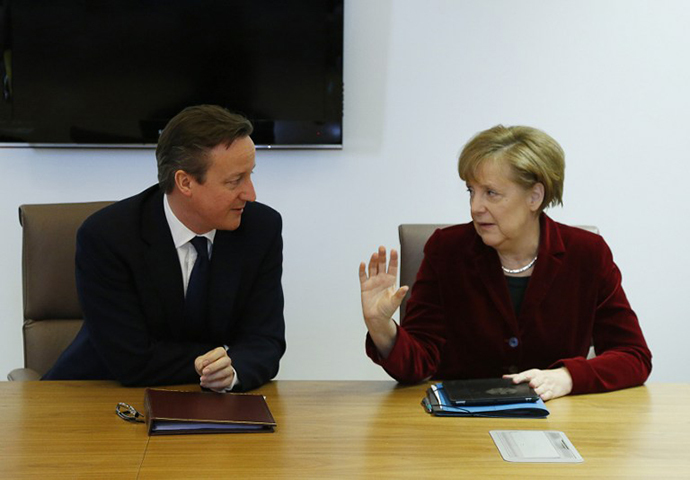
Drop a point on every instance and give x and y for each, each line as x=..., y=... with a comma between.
x=182, y=237
x=186, y=252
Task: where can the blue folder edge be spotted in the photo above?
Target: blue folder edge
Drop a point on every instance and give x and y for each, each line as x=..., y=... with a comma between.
x=436, y=402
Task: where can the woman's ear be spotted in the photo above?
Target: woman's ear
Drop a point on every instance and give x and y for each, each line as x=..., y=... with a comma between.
x=536, y=196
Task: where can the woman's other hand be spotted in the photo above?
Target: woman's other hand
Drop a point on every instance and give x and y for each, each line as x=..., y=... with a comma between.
x=548, y=384
x=380, y=299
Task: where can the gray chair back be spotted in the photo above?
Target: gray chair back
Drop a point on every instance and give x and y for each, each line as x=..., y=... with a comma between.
x=413, y=237
x=52, y=315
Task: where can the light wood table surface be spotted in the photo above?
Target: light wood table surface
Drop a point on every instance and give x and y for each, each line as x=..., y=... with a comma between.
x=334, y=429
x=67, y=430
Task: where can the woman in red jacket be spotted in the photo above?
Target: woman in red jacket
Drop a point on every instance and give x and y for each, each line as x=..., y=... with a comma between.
x=512, y=293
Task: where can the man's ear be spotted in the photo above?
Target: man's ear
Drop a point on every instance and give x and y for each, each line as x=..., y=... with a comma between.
x=536, y=196
x=183, y=182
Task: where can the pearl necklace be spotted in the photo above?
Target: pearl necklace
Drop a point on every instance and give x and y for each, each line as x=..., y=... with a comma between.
x=519, y=270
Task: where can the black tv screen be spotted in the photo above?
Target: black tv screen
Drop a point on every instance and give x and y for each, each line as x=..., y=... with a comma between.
x=113, y=72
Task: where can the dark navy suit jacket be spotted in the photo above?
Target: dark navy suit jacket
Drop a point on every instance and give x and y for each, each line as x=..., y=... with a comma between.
x=130, y=288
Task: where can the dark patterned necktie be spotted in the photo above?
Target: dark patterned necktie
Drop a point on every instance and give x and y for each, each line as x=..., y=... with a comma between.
x=197, y=288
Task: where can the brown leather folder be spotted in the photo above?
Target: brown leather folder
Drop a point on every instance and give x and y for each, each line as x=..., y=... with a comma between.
x=174, y=412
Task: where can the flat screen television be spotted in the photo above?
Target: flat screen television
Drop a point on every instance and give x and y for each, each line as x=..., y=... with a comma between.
x=113, y=72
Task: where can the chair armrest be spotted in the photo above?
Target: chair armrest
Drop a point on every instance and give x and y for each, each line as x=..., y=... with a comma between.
x=23, y=375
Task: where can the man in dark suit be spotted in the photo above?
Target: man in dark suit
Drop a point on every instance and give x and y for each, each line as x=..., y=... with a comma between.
x=159, y=309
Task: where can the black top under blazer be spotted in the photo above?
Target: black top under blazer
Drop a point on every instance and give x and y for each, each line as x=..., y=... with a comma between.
x=130, y=288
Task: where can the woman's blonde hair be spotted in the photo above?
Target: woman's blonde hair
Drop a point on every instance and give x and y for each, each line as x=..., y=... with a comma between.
x=534, y=157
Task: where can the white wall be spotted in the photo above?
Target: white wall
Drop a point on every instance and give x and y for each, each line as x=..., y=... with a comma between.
x=608, y=79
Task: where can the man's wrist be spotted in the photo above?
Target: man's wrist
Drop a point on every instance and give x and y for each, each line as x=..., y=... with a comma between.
x=235, y=381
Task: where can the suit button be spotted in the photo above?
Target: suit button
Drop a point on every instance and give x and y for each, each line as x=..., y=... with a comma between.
x=513, y=369
x=513, y=342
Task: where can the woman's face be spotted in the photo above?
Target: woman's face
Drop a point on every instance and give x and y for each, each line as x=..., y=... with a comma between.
x=503, y=212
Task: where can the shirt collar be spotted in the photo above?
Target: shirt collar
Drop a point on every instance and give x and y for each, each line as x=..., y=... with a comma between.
x=180, y=233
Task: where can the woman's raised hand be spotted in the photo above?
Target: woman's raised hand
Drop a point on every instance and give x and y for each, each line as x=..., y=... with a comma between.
x=380, y=299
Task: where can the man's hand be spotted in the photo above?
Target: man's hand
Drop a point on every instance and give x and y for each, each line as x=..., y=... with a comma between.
x=548, y=384
x=215, y=370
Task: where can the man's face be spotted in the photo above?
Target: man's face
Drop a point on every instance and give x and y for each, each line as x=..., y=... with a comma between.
x=218, y=203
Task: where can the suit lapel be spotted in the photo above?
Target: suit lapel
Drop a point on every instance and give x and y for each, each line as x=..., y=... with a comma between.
x=488, y=266
x=548, y=264
x=226, y=268
x=163, y=264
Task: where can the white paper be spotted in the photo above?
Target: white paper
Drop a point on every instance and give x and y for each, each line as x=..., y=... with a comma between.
x=539, y=446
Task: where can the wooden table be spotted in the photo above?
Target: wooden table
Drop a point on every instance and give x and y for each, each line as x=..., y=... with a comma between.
x=336, y=430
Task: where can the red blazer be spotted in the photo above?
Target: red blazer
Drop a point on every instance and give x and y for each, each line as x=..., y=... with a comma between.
x=460, y=321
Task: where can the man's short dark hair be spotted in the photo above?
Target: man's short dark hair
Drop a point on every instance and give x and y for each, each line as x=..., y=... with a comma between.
x=189, y=136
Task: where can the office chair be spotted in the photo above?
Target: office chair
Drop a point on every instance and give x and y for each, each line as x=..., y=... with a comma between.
x=52, y=315
x=413, y=237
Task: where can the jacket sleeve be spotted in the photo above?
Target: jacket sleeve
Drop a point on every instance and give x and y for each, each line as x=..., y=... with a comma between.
x=258, y=340
x=115, y=318
x=421, y=336
x=622, y=356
